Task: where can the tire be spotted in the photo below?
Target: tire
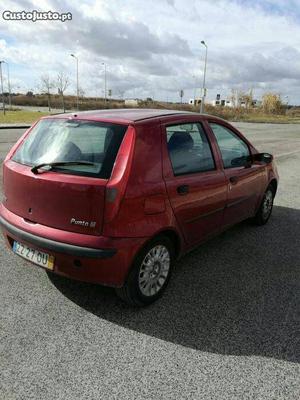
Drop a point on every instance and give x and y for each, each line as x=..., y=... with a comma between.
x=150, y=273
x=265, y=209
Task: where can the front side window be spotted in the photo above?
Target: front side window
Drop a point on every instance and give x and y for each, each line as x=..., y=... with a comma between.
x=234, y=151
x=189, y=149
x=63, y=140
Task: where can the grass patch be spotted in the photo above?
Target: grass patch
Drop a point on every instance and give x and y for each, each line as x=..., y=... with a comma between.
x=268, y=118
x=20, y=116
x=230, y=114
x=253, y=115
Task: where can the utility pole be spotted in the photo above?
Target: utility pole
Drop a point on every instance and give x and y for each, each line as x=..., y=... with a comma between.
x=105, y=83
x=195, y=84
x=77, y=79
x=8, y=84
x=204, y=77
x=1, y=78
x=181, y=94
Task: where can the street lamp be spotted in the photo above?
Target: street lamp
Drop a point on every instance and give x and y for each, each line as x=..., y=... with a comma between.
x=104, y=81
x=204, y=76
x=8, y=83
x=195, y=88
x=76, y=58
x=1, y=78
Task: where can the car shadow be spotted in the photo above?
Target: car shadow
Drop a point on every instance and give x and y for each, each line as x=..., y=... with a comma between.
x=238, y=294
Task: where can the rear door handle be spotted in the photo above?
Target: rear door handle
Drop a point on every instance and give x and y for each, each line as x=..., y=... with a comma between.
x=183, y=189
x=233, y=179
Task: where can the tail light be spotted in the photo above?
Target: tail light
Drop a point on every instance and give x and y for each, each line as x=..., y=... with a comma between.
x=115, y=189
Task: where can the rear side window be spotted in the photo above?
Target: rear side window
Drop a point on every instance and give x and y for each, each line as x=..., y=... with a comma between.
x=62, y=140
x=189, y=149
x=234, y=150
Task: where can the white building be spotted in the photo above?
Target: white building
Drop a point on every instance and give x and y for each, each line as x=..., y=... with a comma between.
x=131, y=102
x=195, y=102
x=222, y=103
x=229, y=103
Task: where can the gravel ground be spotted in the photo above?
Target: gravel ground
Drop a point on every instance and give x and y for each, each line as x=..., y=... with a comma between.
x=228, y=327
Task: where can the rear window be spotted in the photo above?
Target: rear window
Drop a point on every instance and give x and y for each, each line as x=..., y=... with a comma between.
x=62, y=140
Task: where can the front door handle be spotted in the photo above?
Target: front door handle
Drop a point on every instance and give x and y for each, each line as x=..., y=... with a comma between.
x=233, y=179
x=183, y=189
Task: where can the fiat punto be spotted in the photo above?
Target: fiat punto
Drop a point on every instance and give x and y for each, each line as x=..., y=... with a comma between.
x=116, y=196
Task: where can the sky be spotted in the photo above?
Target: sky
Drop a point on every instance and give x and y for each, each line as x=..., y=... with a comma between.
x=152, y=48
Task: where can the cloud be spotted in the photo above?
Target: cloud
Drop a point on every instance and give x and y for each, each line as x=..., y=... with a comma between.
x=171, y=3
x=152, y=46
x=109, y=37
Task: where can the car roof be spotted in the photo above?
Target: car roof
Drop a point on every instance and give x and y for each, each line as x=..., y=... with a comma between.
x=125, y=115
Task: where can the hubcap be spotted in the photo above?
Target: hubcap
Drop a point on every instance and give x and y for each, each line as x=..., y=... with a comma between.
x=154, y=270
x=267, y=204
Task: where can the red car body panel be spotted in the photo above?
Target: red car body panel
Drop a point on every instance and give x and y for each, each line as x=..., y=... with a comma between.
x=139, y=200
x=52, y=199
x=200, y=212
x=109, y=271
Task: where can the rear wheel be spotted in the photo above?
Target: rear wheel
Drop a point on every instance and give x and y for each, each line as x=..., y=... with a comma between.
x=150, y=273
x=265, y=210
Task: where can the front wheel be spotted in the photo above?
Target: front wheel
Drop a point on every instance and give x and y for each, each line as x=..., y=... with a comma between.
x=150, y=273
x=265, y=210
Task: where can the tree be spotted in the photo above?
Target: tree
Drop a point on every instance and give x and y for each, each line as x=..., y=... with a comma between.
x=46, y=84
x=62, y=83
x=246, y=98
x=272, y=103
x=234, y=98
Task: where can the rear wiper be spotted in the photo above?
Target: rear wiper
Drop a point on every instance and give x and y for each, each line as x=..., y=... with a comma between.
x=50, y=165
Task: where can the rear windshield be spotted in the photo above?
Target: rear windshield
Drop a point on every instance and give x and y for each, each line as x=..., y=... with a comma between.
x=62, y=140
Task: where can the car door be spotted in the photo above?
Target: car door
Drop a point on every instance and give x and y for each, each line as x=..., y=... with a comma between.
x=195, y=182
x=244, y=179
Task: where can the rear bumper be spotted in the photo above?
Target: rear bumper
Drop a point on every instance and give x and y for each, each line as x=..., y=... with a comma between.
x=87, y=258
x=58, y=247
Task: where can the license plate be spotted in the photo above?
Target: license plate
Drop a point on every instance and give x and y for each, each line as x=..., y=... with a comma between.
x=37, y=257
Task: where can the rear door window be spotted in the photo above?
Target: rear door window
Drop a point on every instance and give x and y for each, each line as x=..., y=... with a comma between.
x=189, y=149
x=62, y=140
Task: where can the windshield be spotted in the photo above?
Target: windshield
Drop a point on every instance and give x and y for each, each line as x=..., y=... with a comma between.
x=64, y=140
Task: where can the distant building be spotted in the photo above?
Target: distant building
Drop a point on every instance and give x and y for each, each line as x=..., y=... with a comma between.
x=222, y=103
x=132, y=102
x=195, y=102
x=256, y=103
x=229, y=103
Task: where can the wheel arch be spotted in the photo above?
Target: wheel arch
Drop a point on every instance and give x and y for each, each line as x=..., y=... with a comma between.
x=274, y=184
x=174, y=237
x=171, y=234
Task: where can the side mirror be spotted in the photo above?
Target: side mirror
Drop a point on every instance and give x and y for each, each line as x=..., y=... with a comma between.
x=263, y=157
x=244, y=161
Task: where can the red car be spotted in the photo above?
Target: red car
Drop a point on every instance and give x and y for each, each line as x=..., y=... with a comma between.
x=115, y=196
